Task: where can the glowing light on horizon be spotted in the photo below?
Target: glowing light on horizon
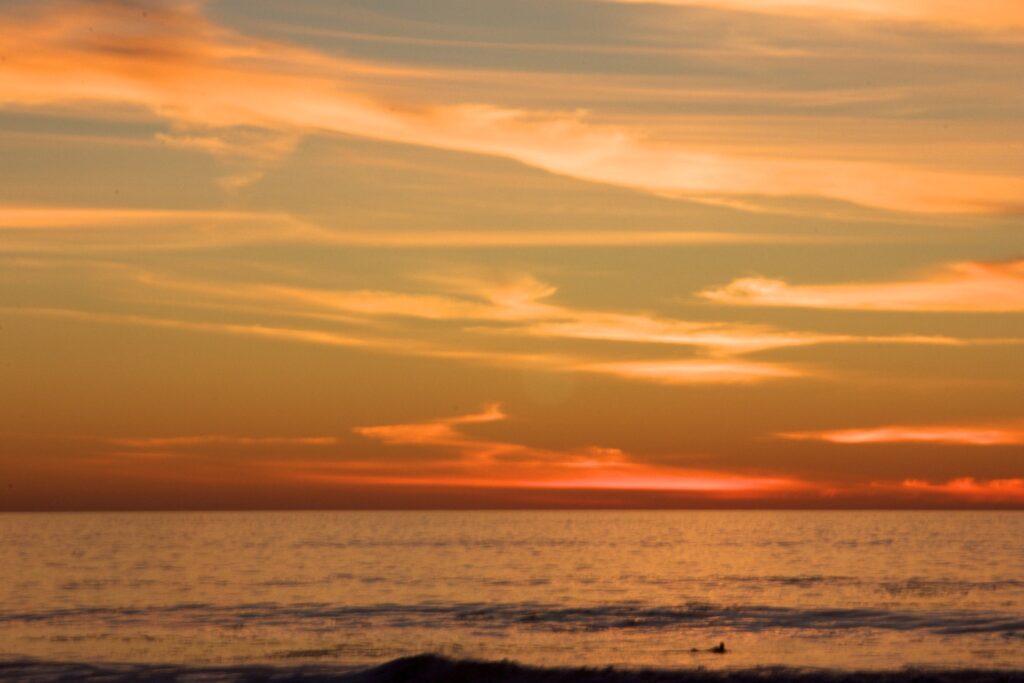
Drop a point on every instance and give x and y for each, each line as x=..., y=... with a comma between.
x=482, y=462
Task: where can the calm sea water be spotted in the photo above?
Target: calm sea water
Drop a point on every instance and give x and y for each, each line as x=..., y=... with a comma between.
x=846, y=590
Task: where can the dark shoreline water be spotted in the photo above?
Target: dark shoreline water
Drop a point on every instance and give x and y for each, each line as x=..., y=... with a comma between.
x=436, y=669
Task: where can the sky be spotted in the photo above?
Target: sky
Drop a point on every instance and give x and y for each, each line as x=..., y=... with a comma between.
x=530, y=253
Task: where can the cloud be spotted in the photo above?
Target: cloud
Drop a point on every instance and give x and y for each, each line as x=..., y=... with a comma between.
x=483, y=313
x=250, y=152
x=718, y=339
x=521, y=306
x=449, y=239
x=308, y=336
x=933, y=434
x=993, y=490
x=697, y=371
x=970, y=286
x=68, y=228
x=464, y=460
x=987, y=14
x=56, y=229
x=223, y=440
x=67, y=218
x=178, y=65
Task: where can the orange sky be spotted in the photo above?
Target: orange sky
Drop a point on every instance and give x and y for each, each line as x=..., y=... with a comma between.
x=585, y=253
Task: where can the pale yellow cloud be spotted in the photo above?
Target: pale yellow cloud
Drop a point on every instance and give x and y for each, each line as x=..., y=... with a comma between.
x=961, y=435
x=181, y=67
x=970, y=286
x=698, y=371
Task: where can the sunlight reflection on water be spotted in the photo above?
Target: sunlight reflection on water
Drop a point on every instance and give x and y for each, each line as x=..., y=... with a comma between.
x=831, y=589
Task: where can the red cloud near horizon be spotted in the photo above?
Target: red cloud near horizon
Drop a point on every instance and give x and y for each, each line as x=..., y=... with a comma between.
x=981, y=435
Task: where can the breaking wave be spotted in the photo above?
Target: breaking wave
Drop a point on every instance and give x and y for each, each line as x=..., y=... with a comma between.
x=435, y=669
x=750, y=618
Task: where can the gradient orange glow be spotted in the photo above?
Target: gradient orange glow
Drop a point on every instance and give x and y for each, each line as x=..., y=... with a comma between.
x=483, y=462
x=685, y=253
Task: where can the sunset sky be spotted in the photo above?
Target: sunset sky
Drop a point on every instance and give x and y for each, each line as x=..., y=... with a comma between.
x=527, y=253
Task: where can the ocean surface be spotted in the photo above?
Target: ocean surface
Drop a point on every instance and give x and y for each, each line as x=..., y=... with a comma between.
x=316, y=591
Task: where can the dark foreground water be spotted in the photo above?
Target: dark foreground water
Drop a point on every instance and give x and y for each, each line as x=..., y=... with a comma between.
x=304, y=596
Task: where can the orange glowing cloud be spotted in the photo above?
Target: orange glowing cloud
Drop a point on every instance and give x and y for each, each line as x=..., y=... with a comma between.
x=522, y=304
x=935, y=434
x=179, y=66
x=465, y=460
x=971, y=286
x=482, y=311
x=58, y=218
x=64, y=228
x=989, y=14
x=697, y=371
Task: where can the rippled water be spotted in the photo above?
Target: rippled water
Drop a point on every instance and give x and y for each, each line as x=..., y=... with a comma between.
x=846, y=590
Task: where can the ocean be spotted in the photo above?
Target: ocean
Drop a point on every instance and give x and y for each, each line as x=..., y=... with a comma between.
x=224, y=595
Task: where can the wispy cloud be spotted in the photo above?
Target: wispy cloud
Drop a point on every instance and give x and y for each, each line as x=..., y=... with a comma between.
x=222, y=440
x=524, y=305
x=965, y=435
x=68, y=228
x=699, y=371
x=484, y=314
x=454, y=239
x=412, y=343
x=308, y=336
x=180, y=66
x=988, y=14
x=248, y=152
x=65, y=218
x=971, y=286
x=60, y=229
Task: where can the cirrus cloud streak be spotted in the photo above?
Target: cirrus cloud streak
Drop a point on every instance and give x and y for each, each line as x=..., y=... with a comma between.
x=988, y=14
x=185, y=69
x=968, y=286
